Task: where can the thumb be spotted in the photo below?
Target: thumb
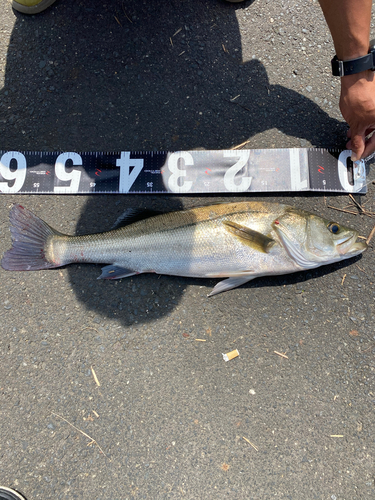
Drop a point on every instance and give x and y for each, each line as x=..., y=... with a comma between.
x=356, y=144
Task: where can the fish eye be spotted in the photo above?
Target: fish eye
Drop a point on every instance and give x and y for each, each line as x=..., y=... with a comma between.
x=333, y=227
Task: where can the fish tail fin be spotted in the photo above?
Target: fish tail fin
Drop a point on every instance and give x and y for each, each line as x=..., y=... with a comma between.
x=29, y=237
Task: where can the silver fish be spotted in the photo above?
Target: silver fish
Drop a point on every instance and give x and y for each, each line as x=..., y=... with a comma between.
x=238, y=241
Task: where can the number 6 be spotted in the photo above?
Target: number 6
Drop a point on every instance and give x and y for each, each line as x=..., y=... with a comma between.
x=18, y=175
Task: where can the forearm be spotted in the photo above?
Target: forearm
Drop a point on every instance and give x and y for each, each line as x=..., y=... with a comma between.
x=349, y=24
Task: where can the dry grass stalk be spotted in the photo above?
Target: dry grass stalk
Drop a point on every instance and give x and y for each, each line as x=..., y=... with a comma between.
x=370, y=236
x=283, y=355
x=92, y=440
x=250, y=443
x=95, y=377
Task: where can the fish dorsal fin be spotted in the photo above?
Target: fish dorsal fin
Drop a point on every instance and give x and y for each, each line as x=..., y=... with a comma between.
x=254, y=239
x=131, y=215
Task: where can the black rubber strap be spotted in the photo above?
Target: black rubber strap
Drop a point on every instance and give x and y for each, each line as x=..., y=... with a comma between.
x=353, y=66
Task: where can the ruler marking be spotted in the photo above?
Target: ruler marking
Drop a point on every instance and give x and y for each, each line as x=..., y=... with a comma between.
x=162, y=172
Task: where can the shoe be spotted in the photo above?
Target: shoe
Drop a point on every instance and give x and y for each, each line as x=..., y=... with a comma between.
x=8, y=494
x=31, y=6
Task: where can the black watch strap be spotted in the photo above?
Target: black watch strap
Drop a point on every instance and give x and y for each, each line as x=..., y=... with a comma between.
x=353, y=66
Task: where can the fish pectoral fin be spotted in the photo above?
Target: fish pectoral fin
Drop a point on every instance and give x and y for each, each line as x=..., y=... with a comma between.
x=113, y=272
x=254, y=239
x=230, y=283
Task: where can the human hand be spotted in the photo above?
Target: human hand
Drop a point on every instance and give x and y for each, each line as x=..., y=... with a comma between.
x=357, y=105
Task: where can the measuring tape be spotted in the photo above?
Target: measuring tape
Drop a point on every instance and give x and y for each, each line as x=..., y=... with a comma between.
x=146, y=172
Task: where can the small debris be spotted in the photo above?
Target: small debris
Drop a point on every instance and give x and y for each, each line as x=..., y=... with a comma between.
x=250, y=443
x=370, y=235
x=342, y=210
x=230, y=355
x=178, y=31
x=358, y=205
x=354, y=333
x=336, y=435
x=283, y=355
x=200, y=340
x=343, y=279
x=239, y=146
x=92, y=440
x=95, y=377
x=118, y=21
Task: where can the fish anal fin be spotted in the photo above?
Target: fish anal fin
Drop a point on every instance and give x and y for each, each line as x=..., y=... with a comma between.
x=254, y=239
x=230, y=283
x=113, y=272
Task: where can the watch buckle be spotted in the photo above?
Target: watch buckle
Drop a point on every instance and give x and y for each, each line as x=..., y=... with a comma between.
x=341, y=68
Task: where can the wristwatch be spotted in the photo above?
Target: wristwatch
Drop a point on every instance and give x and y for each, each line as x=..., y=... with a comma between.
x=353, y=66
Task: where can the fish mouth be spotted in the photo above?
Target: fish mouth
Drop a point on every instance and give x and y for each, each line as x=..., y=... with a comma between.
x=350, y=245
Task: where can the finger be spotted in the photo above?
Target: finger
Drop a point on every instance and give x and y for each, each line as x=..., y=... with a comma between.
x=369, y=147
x=357, y=145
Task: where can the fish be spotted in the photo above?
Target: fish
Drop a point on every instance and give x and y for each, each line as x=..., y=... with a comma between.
x=238, y=241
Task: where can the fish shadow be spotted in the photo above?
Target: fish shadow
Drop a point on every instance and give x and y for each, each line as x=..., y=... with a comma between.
x=146, y=297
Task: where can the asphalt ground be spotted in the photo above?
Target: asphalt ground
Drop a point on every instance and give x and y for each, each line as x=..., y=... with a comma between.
x=171, y=419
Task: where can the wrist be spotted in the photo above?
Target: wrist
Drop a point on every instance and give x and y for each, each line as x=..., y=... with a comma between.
x=362, y=78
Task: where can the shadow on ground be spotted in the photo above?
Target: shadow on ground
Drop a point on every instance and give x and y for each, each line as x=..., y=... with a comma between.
x=142, y=76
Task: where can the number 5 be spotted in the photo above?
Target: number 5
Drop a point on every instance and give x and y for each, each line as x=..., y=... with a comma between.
x=74, y=176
